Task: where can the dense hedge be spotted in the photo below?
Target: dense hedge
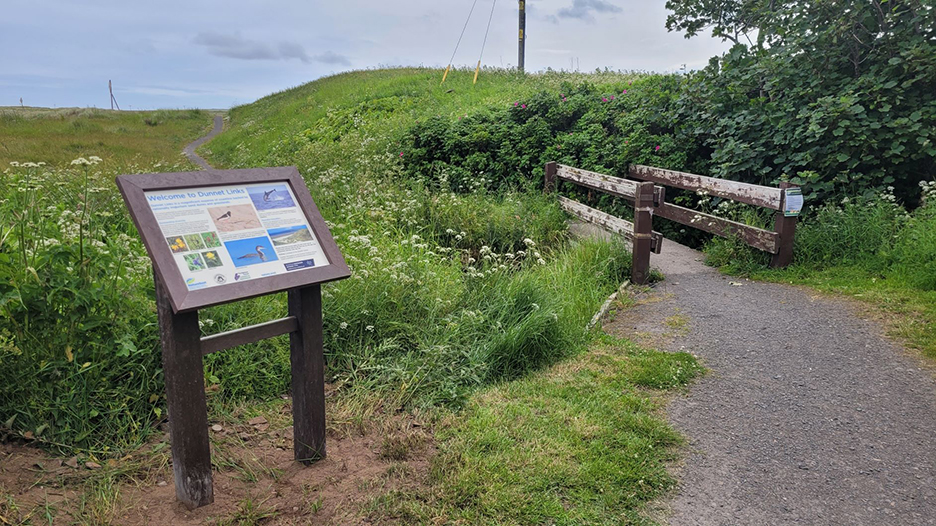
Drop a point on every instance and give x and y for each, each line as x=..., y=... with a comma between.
x=601, y=128
x=813, y=106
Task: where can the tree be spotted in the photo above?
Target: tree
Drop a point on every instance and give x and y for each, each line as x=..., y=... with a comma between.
x=843, y=91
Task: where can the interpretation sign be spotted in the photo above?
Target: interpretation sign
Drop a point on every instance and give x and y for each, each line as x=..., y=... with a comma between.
x=220, y=236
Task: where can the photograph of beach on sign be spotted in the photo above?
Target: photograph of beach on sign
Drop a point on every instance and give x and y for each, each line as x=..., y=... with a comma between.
x=251, y=251
x=290, y=235
x=269, y=197
x=232, y=218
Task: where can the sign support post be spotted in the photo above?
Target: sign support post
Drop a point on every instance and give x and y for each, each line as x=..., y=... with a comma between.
x=185, y=396
x=307, y=359
x=785, y=226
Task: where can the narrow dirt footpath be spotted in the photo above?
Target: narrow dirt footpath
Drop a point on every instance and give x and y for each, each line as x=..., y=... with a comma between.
x=808, y=416
x=189, y=150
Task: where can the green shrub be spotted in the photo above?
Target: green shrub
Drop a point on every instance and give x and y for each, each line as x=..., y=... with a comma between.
x=812, y=95
x=594, y=127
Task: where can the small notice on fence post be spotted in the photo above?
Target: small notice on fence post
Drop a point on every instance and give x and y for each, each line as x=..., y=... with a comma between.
x=793, y=202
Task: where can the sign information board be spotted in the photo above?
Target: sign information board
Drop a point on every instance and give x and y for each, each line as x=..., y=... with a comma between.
x=219, y=236
x=793, y=202
x=225, y=234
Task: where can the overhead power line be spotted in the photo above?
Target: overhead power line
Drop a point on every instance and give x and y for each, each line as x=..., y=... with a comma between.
x=449, y=67
x=484, y=42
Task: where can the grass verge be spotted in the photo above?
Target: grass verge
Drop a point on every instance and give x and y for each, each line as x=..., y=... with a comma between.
x=580, y=443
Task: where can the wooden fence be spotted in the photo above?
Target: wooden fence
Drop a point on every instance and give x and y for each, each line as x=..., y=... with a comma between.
x=649, y=199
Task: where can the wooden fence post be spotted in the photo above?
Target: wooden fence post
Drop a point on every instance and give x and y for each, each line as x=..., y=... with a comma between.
x=550, y=185
x=185, y=395
x=643, y=228
x=308, y=374
x=786, y=229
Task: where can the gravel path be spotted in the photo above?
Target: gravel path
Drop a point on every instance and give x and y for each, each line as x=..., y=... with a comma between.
x=189, y=150
x=808, y=415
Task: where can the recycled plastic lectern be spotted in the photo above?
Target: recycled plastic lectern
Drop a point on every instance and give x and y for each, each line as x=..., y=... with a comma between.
x=220, y=236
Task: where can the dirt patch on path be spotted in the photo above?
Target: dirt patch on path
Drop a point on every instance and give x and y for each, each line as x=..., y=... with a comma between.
x=808, y=416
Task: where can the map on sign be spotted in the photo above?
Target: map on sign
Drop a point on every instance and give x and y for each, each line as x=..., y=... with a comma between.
x=232, y=233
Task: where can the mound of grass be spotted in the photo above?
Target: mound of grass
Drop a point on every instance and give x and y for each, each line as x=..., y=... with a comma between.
x=450, y=292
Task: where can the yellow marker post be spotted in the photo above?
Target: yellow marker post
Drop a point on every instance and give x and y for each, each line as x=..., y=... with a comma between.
x=477, y=69
x=447, y=68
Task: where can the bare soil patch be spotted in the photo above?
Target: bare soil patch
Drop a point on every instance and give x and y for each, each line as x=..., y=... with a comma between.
x=256, y=480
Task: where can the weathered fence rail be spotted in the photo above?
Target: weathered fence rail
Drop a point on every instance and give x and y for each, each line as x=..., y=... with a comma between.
x=778, y=242
x=640, y=233
x=650, y=199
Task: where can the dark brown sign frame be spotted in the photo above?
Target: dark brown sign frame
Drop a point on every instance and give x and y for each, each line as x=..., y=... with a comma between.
x=133, y=188
x=180, y=336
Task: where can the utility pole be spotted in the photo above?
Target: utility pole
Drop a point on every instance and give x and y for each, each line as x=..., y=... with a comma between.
x=522, y=35
x=113, y=100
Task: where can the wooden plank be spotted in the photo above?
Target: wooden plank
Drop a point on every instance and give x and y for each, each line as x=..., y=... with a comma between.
x=643, y=228
x=752, y=194
x=306, y=351
x=786, y=230
x=185, y=395
x=604, y=183
x=252, y=334
x=758, y=238
x=608, y=222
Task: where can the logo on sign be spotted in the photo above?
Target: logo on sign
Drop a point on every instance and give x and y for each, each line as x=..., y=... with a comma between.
x=240, y=276
x=192, y=284
x=219, y=279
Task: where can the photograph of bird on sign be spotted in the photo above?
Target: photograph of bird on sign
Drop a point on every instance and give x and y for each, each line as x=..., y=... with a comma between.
x=251, y=251
x=234, y=217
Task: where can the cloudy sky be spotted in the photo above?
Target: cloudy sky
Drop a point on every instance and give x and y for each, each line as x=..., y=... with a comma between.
x=219, y=53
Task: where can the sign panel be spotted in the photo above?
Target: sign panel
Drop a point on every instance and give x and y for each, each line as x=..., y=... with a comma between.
x=220, y=235
x=793, y=202
x=224, y=235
